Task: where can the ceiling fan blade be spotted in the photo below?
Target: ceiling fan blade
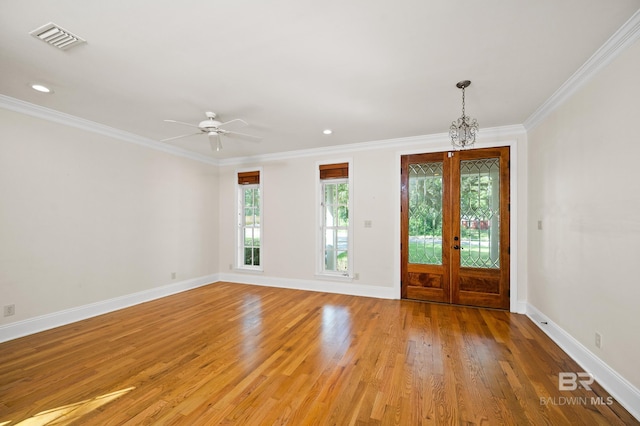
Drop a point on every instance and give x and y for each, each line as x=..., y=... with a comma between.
x=236, y=123
x=178, y=137
x=181, y=122
x=250, y=138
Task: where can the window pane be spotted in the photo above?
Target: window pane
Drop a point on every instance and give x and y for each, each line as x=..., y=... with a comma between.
x=425, y=213
x=342, y=215
x=335, y=225
x=342, y=241
x=330, y=239
x=248, y=237
x=248, y=216
x=330, y=260
x=329, y=215
x=252, y=256
x=248, y=197
x=249, y=225
x=330, y=194
x=480, y=213
x=342, y=261
x=343, y=193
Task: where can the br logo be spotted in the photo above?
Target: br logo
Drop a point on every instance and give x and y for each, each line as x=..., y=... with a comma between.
x=568, y=381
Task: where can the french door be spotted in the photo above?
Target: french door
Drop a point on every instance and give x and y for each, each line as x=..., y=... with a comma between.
x=455, y=227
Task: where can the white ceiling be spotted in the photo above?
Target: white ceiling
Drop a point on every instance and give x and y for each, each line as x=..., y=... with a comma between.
x=368, y=69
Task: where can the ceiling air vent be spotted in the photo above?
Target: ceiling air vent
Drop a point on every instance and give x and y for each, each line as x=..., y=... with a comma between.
x=56, y=36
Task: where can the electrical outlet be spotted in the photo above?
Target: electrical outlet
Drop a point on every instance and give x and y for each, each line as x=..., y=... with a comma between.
x=540, y=225
x=598, y=340
x=173, y=275
x=9, y=310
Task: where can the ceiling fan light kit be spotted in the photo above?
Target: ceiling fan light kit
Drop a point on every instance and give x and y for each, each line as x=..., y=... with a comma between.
x=214, y=129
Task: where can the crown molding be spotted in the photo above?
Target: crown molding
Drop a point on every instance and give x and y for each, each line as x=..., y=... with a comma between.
x=617, y=43
x=44, y=113
x=27, y=108
x=490, y=133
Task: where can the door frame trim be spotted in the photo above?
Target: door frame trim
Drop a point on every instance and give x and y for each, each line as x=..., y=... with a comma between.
x=513, y=226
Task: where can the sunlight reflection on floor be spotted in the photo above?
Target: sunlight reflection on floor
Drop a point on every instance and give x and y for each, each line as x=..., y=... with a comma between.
x=68, y=413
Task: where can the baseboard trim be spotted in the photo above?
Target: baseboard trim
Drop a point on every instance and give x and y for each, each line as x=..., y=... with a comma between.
x=620, y=389
x=56, y=319
x=623, y=391
x=521, y=307
x=325, y=286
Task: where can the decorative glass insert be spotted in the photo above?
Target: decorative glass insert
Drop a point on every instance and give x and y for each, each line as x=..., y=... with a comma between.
x=335, y=207
x=251, y=225
x=480, y=213
x=425, y=213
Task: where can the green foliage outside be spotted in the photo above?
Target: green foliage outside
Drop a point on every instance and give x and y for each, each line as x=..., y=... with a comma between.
x=469, y=256
x=425, y=206
x=249, y=259
x=425, y=214
x=336, y=200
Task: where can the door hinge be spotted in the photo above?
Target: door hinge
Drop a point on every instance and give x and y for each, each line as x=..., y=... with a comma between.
x=508, y=250
x=509, y=293
x=509, y=164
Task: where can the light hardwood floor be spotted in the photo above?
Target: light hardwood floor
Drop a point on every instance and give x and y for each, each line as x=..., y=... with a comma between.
x=237, y=354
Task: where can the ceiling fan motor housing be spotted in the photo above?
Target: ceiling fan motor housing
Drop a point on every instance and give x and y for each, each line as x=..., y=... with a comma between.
x=208, y=125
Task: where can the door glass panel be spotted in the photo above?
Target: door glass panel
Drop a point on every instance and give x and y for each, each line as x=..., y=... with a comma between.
x=480, y=213
x=425, y=213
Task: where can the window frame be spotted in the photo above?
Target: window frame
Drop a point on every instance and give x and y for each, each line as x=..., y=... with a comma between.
x=320, y=221
x=240, y=219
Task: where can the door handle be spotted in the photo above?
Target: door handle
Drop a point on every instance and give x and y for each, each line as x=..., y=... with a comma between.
x=456, y=247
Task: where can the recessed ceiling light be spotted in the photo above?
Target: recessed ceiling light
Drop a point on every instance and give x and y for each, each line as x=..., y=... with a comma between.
x=41, y=88
x=327, y=131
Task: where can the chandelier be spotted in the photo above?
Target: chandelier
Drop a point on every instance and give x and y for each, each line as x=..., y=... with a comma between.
x=463, y=130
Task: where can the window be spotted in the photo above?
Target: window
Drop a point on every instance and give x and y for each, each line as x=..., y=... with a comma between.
x=335, y=226
x=249, y=220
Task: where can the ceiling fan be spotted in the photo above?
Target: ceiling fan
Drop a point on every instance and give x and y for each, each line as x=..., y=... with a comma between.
x=215, y=130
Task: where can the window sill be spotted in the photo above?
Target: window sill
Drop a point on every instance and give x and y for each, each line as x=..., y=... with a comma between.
x=335, y=277
x=249, y=270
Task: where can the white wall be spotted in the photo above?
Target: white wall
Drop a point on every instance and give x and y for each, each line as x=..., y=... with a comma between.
x=585, y=188
x=85, y=218
x=289, y=218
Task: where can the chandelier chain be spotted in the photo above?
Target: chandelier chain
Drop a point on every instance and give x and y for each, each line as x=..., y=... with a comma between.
x=463, y=114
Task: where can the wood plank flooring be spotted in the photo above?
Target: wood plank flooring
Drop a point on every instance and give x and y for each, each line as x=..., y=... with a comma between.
x=237, y=354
